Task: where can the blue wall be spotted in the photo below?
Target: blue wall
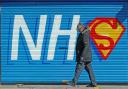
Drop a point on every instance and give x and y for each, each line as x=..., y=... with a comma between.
x=25, y=70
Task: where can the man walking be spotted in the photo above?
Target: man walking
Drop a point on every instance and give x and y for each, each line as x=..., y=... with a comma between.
x=83, y=56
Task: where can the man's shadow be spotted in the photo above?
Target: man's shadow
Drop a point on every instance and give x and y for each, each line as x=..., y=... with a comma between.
x=97, y=53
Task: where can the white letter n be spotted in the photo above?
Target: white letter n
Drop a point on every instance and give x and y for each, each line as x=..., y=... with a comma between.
x=20, y=24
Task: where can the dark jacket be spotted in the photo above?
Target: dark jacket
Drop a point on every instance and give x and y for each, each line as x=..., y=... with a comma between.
x=83, y=49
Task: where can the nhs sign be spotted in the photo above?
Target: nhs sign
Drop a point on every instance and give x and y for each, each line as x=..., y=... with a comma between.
x=38, y=44
x=36, y=49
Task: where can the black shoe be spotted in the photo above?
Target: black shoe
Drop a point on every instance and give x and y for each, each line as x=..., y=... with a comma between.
x=91, y=85
x=71, y=83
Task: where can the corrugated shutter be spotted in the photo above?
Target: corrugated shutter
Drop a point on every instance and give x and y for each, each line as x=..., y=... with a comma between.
x=26, y=70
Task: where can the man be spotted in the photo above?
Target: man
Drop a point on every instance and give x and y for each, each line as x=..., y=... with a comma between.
x=83, y=56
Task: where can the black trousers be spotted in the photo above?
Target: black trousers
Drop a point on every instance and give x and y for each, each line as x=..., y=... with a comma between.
x=79, y=68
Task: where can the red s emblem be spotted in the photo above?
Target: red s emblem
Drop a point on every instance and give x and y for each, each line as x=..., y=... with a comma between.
x=106, y=32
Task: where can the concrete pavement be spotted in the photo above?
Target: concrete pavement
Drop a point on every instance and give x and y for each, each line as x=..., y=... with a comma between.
x=61, y=87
